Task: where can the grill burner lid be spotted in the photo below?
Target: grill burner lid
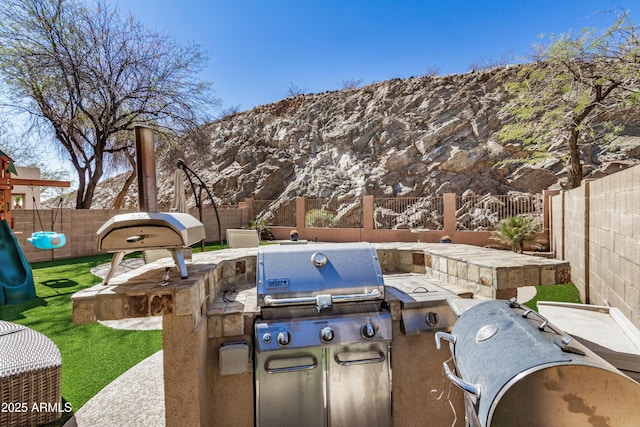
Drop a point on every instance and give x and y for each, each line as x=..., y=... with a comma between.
x=318, y=275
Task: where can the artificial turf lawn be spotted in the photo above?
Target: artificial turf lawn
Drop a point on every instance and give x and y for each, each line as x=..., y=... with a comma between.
x=560, y=293
x=92, y=355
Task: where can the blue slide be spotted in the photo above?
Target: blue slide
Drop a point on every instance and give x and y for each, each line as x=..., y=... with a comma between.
x=16, y=278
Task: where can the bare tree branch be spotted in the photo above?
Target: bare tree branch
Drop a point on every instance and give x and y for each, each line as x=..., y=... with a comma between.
x=88, y=73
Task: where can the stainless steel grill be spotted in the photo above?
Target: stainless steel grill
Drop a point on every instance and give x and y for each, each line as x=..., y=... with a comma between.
x=323, y=339
x=517, y=369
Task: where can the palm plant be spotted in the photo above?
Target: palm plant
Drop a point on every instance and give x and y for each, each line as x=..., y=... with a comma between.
x=516, y=230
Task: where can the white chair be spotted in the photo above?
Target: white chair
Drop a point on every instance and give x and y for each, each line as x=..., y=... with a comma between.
x=241, y=238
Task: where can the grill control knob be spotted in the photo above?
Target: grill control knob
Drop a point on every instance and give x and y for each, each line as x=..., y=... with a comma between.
x=432, y=318
x=326, y=334
x=368, y=331
x=284, y=338
x=266, y=338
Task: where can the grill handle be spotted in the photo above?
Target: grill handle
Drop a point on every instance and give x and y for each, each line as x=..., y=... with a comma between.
x=379, y=357
x=274, y=302
x=307, y=367
x=445, y=336
x=472, y=389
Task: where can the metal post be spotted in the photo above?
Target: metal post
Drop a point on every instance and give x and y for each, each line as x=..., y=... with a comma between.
x=201, y=214
x=146, y=170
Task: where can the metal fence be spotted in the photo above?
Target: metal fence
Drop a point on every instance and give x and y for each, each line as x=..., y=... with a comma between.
x=473, y=212
x=276, y=212
x=483, y=213
x=330, y=213
x=399, y=213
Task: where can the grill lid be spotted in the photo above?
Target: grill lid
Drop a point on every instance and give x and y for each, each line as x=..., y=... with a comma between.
x=518, y=369
x=318, y=274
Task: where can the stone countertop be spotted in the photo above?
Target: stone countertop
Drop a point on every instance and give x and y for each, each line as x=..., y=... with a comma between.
x=473, y=254
x=156, y=289
x=143, y=291
x=233, y=312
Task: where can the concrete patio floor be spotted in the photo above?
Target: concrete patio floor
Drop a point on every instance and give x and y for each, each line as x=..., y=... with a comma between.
x=136, y=398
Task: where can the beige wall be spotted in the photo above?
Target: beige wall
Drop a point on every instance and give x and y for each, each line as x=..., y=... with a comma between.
x=614, y=242
x=556, y=216
x=575, y=236
x=80, y=226
x=29, y=192
x=599, y=233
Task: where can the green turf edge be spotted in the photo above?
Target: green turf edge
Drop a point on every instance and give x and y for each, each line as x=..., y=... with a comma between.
x=92, y=355
x=560, y=293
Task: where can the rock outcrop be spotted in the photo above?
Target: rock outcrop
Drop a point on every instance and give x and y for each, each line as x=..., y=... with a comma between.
x=413, y=137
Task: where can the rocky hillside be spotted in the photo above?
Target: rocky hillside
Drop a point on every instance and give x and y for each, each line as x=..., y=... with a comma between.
x=413, y=137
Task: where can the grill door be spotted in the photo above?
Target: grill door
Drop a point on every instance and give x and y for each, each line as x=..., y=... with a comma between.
x=290, y=388
x=359, y=385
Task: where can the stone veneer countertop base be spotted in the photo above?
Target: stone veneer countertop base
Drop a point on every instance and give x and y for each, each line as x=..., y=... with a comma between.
x=141, y=292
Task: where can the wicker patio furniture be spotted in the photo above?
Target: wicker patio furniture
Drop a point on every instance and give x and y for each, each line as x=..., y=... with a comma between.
x=30, y=377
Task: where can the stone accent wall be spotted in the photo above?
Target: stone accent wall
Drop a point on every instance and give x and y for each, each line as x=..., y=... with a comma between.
x=599, y=233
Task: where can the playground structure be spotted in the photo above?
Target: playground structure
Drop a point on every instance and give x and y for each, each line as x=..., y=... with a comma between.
x=7, y=168
x=16, y=278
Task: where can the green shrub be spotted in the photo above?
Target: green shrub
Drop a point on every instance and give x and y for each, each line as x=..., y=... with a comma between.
x=516, y=230
x=263, y=228
x=320, y=218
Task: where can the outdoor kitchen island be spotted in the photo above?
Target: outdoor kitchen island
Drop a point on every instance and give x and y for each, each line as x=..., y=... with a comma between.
x=216, y=307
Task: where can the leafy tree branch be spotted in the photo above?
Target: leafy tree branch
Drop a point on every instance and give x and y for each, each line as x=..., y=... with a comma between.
x=580, y=90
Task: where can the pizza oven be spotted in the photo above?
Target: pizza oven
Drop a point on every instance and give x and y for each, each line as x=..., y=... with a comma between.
x=148, y=229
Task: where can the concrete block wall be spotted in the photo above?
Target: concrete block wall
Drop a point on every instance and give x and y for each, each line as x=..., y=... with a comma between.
x=556, y=219
x=614, y=242
x=80, y=226
x=575, y=236
x=599, y=233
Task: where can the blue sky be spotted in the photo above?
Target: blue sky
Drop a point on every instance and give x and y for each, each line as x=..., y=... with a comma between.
x=258, y=48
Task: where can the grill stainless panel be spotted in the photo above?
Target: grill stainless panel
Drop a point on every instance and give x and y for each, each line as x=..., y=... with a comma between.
x=306, y=332
x=322, y=337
